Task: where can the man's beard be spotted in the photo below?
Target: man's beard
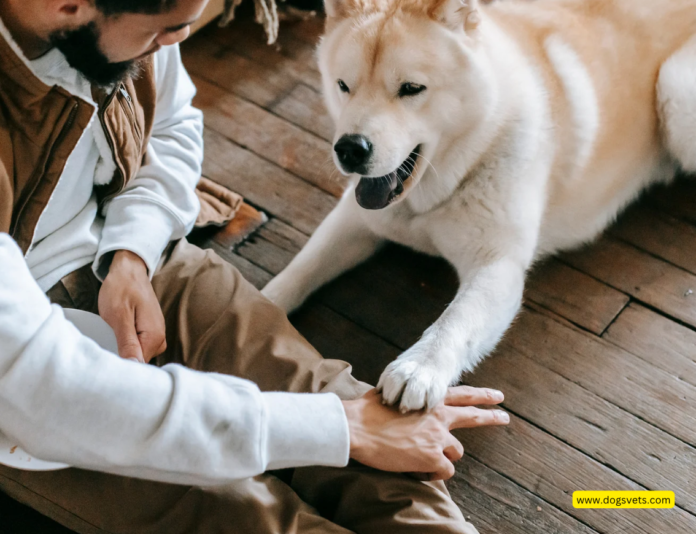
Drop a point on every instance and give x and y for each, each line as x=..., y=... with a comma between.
x=81, y=49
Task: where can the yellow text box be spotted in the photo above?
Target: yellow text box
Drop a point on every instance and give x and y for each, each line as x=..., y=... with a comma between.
x=623, y=499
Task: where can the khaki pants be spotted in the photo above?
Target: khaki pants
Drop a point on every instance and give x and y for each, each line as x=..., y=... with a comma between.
x=216, y=321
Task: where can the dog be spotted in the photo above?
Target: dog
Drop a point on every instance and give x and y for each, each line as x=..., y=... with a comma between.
x=493, y=136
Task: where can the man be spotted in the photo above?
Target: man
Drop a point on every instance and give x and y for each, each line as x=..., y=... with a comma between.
x=100, y=151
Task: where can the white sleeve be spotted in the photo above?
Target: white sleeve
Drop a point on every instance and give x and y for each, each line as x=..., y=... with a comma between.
x=64, y=399
x=160, y=204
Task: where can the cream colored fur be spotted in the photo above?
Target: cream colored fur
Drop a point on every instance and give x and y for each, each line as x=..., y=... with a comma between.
x=540, y=122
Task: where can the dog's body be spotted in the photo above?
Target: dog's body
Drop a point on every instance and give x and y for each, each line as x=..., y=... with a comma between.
x=534, y=124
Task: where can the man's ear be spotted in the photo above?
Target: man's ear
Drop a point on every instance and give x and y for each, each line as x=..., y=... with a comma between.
x=72, y=13
x=459, y=15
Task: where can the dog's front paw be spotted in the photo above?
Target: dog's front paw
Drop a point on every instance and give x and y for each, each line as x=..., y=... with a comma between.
x=415, y=383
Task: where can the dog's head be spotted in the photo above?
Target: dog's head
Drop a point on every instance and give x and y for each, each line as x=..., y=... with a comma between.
x=400, y=77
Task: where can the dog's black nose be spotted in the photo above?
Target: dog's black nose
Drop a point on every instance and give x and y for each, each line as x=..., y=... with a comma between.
x=353, y=152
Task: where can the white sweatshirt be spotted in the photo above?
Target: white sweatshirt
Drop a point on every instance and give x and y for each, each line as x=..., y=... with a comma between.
x=64, y=399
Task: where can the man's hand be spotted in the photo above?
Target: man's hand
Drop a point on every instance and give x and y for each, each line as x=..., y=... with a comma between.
x=129, y=305
x=418, y=442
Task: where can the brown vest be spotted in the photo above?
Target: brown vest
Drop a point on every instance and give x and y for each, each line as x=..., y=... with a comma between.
x=40, y=126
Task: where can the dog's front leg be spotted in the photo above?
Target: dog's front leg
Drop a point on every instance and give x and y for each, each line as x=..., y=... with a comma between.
x=486, y=303
x=341, y=242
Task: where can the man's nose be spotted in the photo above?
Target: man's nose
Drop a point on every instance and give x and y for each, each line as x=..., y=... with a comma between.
x=354, y=152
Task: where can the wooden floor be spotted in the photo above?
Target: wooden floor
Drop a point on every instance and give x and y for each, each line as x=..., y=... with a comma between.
x=599, y=370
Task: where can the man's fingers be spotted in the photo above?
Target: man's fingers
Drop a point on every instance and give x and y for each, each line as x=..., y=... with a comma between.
x=444, y=472
x=149, y=323
x=127, y=338
x=470, y=417
x=470, y=396
x=454, y=450
x=152, y=344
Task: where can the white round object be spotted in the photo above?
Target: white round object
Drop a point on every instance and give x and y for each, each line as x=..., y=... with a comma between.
x=92, y=326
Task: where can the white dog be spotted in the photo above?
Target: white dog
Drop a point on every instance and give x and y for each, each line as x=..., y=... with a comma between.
x=492, y=136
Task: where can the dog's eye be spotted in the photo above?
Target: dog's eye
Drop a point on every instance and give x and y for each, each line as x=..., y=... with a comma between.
x=343, y=87
x=411, y=89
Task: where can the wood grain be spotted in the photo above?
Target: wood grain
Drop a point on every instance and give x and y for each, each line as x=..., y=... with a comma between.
x=305, y=107
x=608, y=371
x=497, y=506
x=269, y=136
x=553, y=470
x=574, y=295
x=289, y=55
x=659, y=234
x=665, y=344
x=639, y=274
x=599, y=428
x=264, y=184
x=257, y=83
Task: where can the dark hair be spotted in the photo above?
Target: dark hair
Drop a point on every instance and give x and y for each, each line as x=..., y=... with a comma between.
x=150, y=7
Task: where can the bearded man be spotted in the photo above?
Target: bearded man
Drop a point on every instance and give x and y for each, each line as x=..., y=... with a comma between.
x=100, y=153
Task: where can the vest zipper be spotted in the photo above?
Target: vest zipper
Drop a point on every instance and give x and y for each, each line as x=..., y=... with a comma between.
x=130, y=109
x=61, y=137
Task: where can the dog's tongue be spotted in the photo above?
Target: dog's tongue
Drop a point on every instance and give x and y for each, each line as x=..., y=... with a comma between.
x=375, y=193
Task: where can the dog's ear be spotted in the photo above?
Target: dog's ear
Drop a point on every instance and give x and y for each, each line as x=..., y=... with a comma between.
x=458, y=15
x=335, y=8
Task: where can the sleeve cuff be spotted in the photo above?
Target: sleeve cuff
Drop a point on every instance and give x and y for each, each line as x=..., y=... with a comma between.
x=306, y=429
x=141, y=227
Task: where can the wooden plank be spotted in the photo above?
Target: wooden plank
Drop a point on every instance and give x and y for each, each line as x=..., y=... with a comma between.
x=677, y=199
x=660, y=234
x=259, y=84
x=257, y=276
x=264, y=184
x=608, y=371
x=267, y=255
x=663, y=343
x=269, y=136
x=547, y=467
x=600, y=429
x=336, y=337
x=284, y=236
x=644, y=277
x=292, y=57
x=401, y=292
x=574, y=295
x=305, y=107
x=494, y=505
